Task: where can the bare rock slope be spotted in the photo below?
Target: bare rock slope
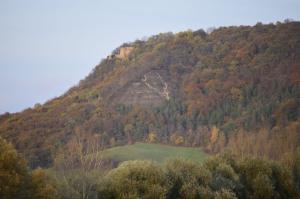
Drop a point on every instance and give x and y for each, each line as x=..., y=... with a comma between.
x=151, y=89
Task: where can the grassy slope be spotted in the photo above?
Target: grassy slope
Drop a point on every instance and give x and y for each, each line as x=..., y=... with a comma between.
x=155, y=152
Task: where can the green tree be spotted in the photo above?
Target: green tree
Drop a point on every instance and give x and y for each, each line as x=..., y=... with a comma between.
x=135, y=179
x=266, y=179
x=187, y=179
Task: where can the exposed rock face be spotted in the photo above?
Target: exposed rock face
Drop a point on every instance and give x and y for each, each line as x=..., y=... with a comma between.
x=151, y=89
x=124, y=52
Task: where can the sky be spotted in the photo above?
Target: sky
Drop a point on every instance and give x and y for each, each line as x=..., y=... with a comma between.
x=48, y=46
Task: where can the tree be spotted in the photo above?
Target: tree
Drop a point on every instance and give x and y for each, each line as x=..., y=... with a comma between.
x=14, y=176
x=128, y=129
x=266, y=179
x=135, y=179
x=225, y=194
x=152, y=137
x=224, y=175
x=79, y=167
x=214, y=135
x=16, y=181
x=187, y=179
x=176, y=139
x=41, y=183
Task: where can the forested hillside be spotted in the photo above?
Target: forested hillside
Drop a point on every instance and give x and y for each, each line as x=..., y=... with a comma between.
x=236, y=88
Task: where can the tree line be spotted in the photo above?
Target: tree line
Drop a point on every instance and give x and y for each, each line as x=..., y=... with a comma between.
x=84, y=175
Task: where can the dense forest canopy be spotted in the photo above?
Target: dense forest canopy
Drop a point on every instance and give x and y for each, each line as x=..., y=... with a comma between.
x=236, y=88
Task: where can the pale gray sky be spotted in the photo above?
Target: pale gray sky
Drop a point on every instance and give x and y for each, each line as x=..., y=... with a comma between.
x=47, y=46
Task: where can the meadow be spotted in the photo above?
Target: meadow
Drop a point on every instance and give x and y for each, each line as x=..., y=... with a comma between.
x=155, y=152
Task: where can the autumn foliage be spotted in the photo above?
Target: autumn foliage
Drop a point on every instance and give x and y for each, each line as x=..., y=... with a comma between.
x=236, y=88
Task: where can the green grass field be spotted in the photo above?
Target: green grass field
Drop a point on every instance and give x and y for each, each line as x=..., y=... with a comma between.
x=155, y=152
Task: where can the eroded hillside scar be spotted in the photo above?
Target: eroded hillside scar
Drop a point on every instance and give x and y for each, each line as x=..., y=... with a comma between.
x=164, y=93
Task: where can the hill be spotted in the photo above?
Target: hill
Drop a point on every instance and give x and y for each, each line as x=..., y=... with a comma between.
x=234, y=88
x=153, y=152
